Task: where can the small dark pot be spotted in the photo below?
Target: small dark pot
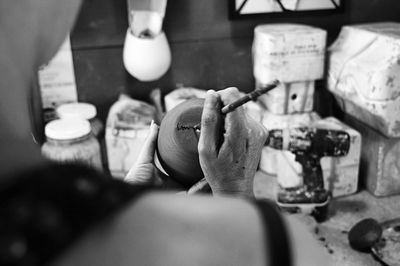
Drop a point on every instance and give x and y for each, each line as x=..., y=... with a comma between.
x=177, y=142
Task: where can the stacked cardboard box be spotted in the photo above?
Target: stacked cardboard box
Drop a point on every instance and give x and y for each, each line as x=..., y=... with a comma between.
x=364, y=76
x=294, y=54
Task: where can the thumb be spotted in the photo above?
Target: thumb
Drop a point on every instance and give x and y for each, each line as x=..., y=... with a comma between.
x=142, y=170
x=146, y=154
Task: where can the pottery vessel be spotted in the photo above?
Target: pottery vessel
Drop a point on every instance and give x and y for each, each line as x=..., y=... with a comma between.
x=177, y=142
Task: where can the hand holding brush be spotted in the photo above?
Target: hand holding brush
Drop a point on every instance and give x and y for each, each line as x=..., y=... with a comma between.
x=252, y=96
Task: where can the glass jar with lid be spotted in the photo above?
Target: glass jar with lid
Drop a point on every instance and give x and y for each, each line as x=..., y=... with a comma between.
x=82, y=110
x=71, y=140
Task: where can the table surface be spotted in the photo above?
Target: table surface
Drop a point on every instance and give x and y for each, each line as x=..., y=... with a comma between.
x=344, y=212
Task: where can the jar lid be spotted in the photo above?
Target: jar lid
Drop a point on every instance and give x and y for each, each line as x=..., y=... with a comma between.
x=74, y=110
x=67, y=129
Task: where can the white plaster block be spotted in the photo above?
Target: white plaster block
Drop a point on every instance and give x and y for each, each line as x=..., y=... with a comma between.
x=288, y=52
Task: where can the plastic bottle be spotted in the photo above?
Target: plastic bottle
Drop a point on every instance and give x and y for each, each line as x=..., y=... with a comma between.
x=71, y=140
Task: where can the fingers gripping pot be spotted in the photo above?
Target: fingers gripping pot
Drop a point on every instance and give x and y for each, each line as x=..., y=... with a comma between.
x=179, y=135
x=177, y=142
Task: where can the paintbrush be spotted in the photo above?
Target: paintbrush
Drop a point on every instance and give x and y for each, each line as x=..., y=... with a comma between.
x=252, y=96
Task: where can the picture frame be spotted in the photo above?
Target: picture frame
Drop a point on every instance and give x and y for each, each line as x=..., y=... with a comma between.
x=265, y=8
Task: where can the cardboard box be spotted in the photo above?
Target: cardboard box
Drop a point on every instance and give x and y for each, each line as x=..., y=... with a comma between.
x=364, y=74
x=288, y=52
x=289, y=98
x=380, y=164
x=340, y=173
x=57, y=81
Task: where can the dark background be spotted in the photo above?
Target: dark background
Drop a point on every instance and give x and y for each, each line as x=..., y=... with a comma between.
x=209, y=50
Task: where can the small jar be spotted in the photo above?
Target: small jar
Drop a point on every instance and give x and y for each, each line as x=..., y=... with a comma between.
x=71, y=140
x=82, y=110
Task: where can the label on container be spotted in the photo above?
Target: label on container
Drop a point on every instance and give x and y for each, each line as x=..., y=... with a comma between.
x=57, y=81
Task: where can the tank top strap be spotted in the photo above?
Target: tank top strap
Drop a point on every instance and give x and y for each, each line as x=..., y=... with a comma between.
x=275, y=234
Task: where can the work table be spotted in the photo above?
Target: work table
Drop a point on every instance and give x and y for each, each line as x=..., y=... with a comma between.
x=344, y=212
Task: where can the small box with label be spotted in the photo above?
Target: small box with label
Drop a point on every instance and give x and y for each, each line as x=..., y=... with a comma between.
x=288, y=52
x=57, y=81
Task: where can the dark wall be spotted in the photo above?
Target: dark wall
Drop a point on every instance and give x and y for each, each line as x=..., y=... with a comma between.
x=208, y=49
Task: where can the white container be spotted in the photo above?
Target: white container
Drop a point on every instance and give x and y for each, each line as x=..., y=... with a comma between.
x=289, y=98
x=274, y=121
x=128, y=124
x=288, y=52
x=364, y=74
x=81, y=110
x=379, y=168
x=71, y=140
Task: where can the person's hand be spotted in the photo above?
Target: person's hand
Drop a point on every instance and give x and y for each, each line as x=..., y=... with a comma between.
x=144, y=171
x=229, y=148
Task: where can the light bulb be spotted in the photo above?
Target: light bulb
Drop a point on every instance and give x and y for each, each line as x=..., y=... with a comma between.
x=146, y=58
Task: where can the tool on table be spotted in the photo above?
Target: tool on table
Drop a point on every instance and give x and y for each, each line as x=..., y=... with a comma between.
x=381, y=239
x=309, y=145
x=252, y=96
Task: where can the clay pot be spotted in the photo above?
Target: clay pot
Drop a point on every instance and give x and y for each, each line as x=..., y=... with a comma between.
x=177, y=142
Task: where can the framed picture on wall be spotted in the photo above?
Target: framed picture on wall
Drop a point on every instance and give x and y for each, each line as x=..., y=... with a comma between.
x=246, y=8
